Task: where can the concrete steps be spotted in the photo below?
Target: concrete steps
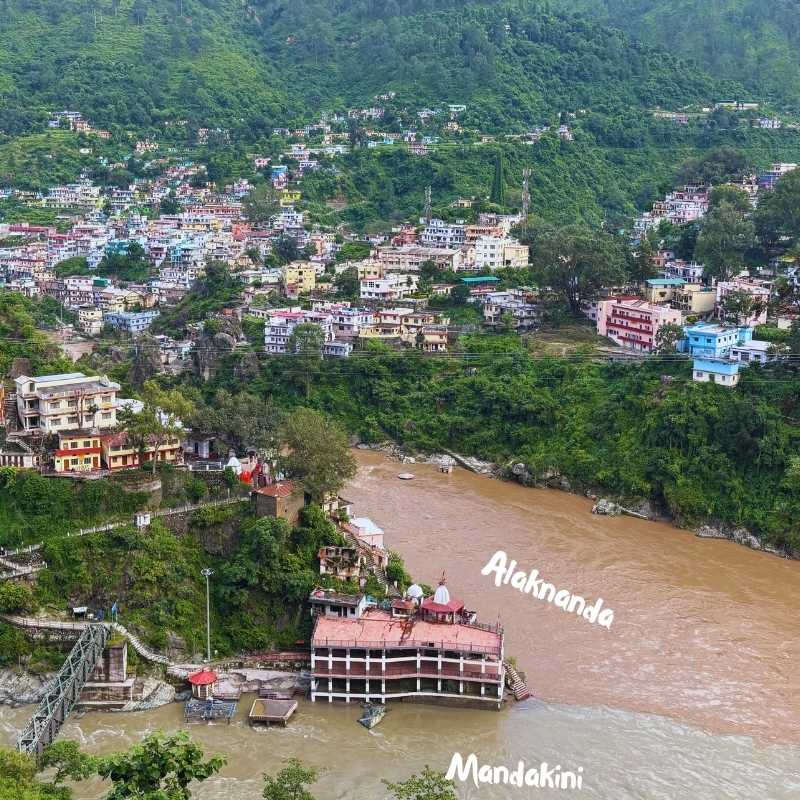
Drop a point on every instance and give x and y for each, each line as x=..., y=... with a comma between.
x=518, y=686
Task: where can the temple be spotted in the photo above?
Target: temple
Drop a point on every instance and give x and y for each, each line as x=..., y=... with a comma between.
x=415, y=649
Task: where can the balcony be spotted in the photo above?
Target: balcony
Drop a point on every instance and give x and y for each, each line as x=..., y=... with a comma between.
x=409, y=670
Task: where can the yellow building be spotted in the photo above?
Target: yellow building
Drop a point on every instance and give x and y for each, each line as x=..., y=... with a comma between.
x=78, y=451
x=120, y=453
x=289, y=197
x=694, y=298
x=302, y=274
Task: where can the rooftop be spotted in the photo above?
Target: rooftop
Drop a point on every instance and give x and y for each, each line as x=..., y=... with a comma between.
x=279, y=489
x=379, y=629
x=203, y=678
x=333, y=597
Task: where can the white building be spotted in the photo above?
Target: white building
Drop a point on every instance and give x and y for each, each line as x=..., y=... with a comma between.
x=69, y=401
x=388, y=289
x=496, y=253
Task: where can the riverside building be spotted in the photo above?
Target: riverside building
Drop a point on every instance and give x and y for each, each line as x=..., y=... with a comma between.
x=418, y=649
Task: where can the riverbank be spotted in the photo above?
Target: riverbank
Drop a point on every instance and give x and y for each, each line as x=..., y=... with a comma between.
x=639, y=508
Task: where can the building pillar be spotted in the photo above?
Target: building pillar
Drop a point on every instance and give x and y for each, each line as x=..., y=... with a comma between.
x=419, y=685
x=461, y=687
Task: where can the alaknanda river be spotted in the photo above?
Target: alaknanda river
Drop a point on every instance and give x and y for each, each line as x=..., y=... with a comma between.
x=693, y=693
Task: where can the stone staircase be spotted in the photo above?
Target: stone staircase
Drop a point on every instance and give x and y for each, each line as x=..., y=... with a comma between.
x=369, y=560
x=514, y=680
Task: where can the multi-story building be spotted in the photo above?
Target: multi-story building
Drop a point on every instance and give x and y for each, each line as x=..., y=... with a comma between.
x=633, y=322
x=442, y=234
x=688, y=270
x=719, y=351
x=695, y=299
x=432, y=650
x=78, y=451
x=768, y=179
x=515, y=305
x=661, y=290
x=409, y=258
x=132, y=322
x=90, y=320
x=120, y=452
x=281, y=323
x=68, y=401
x=758, y=290
x=389, y=288
x=302, y=275
x=495, y=253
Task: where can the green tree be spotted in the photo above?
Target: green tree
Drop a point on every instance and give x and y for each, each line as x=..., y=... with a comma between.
x=304, y=351
x=347, y=284
x=725, y=237
x=428, y=785
x=66, y=758
x=738, y=307
x=732, y=195
x=161, y=767
x=577, y=262
x=498, y=193
x=777, y=217
x=319, y=455
x=169, y=205
x=667, y=338
x=290, y=783
x=159, y=421
x=261, y=204
x=241, y=420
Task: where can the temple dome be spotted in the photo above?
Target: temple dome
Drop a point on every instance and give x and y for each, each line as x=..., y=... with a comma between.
x=441, y=595
x=414, y=592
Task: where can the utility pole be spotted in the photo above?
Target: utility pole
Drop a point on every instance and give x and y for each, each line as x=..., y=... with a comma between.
x=207, y=573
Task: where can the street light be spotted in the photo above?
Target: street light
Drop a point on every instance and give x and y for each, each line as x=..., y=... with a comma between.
x=207, y=573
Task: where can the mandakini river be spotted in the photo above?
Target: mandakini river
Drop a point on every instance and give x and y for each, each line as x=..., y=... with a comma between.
x=694, y=693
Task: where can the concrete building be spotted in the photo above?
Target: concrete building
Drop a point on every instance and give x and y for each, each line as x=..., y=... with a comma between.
x=132, y=322
x=388, y=289
x=68, y=401
x=434, y=651
x=633, y=322
x=90, y=320
x=496, y=253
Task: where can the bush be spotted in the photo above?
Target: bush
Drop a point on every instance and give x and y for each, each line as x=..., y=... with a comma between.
x=15, y=597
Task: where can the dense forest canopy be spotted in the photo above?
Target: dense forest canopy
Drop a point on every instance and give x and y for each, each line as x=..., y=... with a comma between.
x=751, y=41
x=141, y=63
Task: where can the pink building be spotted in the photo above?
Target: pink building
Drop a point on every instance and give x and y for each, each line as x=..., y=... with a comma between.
x=633, y=322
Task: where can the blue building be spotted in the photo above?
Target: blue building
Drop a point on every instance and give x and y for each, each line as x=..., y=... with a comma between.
x=133, y=322
x=711, y=344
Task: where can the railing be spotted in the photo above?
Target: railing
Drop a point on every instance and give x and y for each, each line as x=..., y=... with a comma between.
x=63, y=692
x=360, y=644
x=447, y=671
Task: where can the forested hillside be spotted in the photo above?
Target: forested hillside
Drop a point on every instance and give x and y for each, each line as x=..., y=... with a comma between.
x=751, y=41
x=141, y=63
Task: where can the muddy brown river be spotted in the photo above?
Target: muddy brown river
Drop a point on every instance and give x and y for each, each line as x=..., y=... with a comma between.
x=693, y=693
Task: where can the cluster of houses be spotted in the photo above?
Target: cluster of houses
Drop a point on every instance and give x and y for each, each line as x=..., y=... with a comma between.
x=690, y=203
x=67, y=424
x=720, y=342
